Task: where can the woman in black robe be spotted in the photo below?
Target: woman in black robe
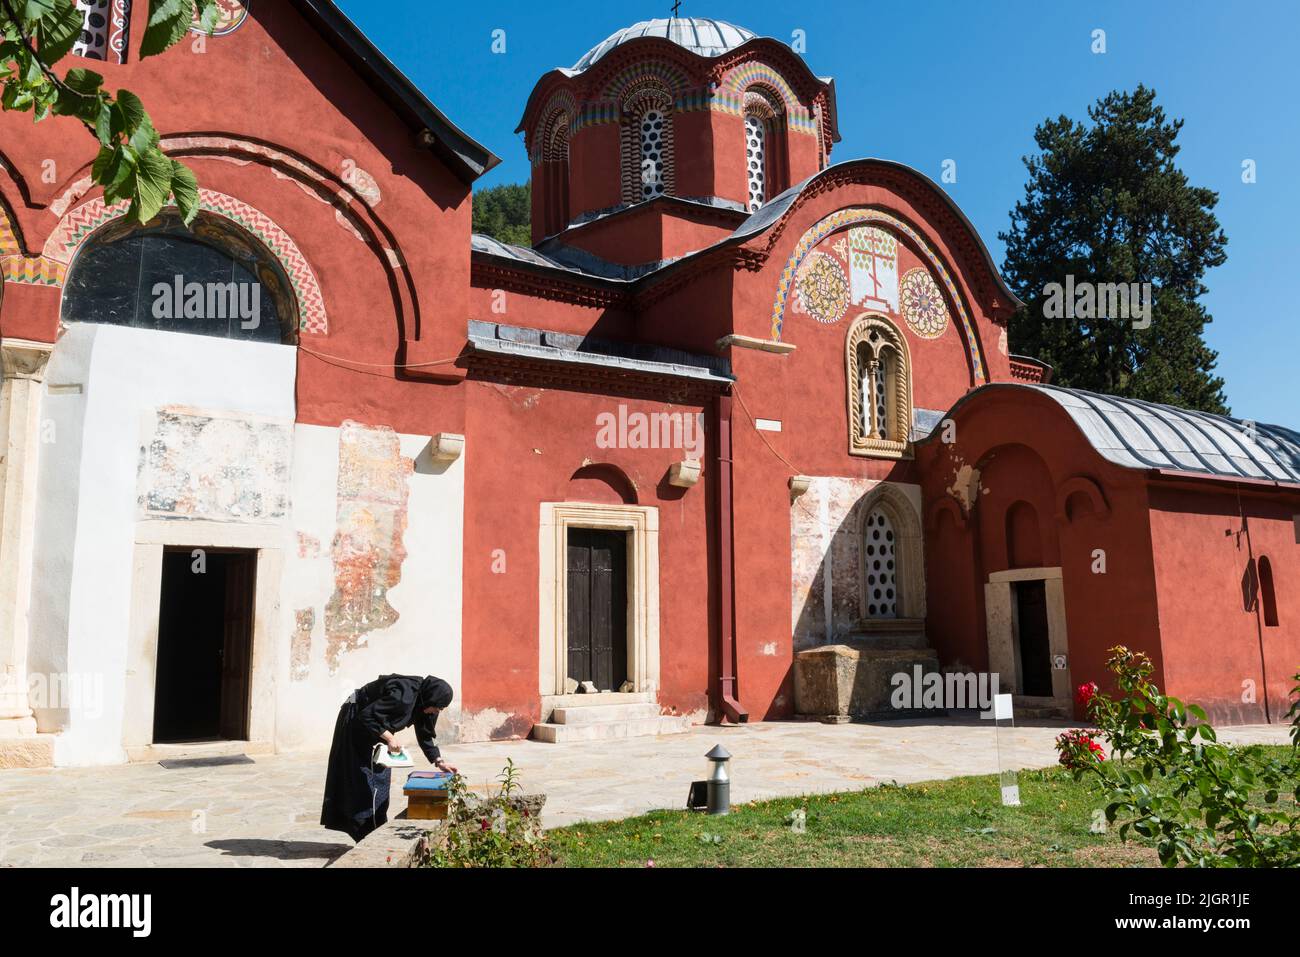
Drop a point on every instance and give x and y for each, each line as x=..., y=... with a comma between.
x=356, y=791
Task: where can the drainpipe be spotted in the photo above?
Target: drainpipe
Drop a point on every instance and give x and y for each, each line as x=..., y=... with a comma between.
x=731, y=708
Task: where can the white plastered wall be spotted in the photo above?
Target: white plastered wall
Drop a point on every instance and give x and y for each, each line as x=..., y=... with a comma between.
x=97, y=552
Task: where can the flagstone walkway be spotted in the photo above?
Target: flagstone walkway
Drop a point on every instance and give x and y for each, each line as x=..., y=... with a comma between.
x=264, y=813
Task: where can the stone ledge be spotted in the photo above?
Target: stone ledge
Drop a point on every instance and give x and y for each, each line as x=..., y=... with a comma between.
x=400, y=842
x=27, y=751
x=396, y=844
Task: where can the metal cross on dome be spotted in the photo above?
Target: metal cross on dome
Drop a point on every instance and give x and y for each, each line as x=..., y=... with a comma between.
x=676, y=7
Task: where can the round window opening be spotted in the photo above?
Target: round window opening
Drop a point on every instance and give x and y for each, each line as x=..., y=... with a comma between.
x=211, y=279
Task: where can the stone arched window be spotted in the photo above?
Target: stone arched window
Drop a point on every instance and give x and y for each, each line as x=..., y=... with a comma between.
x=764, y=147
x=879, y=389
x=647, y=145
x=211, y=279
x=892, y=566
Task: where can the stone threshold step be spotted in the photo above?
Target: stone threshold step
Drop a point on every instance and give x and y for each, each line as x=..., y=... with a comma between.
x=605, y=731
x=604, y=713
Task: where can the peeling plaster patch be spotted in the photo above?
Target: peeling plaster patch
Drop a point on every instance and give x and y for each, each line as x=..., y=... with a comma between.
x=308, y=546
x=965, y=487
x=363, y=184
x=490, y=724
x=367, y=550
x=221, y=469
x=345, y=220
x=512, y=392
x=769, y=648
x=70, y=196
x=698, y=716
x=300, y=644
x=1002, y=342
x=825, y=575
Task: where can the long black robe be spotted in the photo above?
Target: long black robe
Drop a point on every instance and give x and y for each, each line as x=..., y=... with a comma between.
x=356, y=793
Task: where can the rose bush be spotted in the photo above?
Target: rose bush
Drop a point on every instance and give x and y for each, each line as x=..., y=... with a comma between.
x=1202, y=803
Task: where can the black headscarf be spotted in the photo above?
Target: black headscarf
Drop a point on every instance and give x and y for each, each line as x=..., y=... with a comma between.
x=434, y=692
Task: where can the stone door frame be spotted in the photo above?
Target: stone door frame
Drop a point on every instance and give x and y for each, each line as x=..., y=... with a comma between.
x=1000, y=613
x=642, y=525
x=151, y=538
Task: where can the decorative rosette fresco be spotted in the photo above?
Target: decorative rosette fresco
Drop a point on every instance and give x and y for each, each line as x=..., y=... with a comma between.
x=822, y=289
x=922, y=304
x=865, y=260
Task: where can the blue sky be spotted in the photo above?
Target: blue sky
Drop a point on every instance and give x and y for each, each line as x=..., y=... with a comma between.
x=921, y=82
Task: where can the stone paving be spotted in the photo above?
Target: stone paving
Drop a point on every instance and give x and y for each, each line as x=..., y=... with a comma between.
x=264, y=814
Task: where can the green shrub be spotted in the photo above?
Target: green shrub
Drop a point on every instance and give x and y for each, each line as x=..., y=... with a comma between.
x=504, y=830
x=1202, y=803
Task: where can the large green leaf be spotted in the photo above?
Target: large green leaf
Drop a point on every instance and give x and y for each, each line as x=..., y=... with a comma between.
x=169, y=20
x=185, y=188
x=153, y=184
x=57, y=32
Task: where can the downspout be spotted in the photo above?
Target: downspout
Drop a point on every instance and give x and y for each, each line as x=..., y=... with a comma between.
x=731, y=708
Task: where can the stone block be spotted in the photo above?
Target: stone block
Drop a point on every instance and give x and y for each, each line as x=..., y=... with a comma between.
x=838, y=682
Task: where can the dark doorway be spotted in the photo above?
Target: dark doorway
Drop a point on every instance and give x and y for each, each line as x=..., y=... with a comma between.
x=205, y=645
x=1032, y=637
x=597, y=598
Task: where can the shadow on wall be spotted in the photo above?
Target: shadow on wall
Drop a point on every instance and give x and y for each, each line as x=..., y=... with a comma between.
x=857, y=555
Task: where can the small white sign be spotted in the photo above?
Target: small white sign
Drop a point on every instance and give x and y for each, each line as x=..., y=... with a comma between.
x=1002, y=707
x=1058, y=662
x=1011, y=795
x=768, y=425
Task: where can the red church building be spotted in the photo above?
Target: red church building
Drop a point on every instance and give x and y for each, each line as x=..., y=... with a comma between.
x=739, y=410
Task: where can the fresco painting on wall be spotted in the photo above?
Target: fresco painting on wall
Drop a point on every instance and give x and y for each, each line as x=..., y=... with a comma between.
x=368, y=549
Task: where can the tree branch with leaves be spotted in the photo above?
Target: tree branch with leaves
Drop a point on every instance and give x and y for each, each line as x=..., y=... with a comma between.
x=130, y=165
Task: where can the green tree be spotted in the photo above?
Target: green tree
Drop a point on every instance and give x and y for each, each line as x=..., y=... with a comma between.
x=504, y=212
x=36, y=34
x=1105, y=203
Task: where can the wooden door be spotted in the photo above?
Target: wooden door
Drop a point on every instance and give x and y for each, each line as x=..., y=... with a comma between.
x=1034, y=639
x=237, y=644
x=597, y=600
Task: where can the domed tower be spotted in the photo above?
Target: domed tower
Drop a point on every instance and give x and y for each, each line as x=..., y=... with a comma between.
x=674, y=113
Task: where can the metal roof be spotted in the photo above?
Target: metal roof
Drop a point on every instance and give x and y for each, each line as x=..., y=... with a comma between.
x=569, y=349
x=700, y=35
x=561, y=256
x=1146, y=435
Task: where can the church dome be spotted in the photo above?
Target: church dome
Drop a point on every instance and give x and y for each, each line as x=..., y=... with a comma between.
x=702, y=36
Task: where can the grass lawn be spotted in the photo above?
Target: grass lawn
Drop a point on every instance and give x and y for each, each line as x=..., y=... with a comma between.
x=954, y=823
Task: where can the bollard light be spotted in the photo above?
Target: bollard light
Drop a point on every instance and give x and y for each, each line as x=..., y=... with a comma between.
x=719, y=781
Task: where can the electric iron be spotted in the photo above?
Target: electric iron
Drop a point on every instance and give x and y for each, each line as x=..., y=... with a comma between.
x=384, y=759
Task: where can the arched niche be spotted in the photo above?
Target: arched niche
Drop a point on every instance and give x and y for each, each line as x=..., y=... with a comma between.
x=602, y=484
x=1024, y=540
x=1079, y=497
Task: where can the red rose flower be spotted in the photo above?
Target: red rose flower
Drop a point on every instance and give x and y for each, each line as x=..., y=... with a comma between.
x=1085, y=693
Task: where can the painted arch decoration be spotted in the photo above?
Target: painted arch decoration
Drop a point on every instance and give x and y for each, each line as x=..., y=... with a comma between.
x=862, y=268
x=77, y=225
